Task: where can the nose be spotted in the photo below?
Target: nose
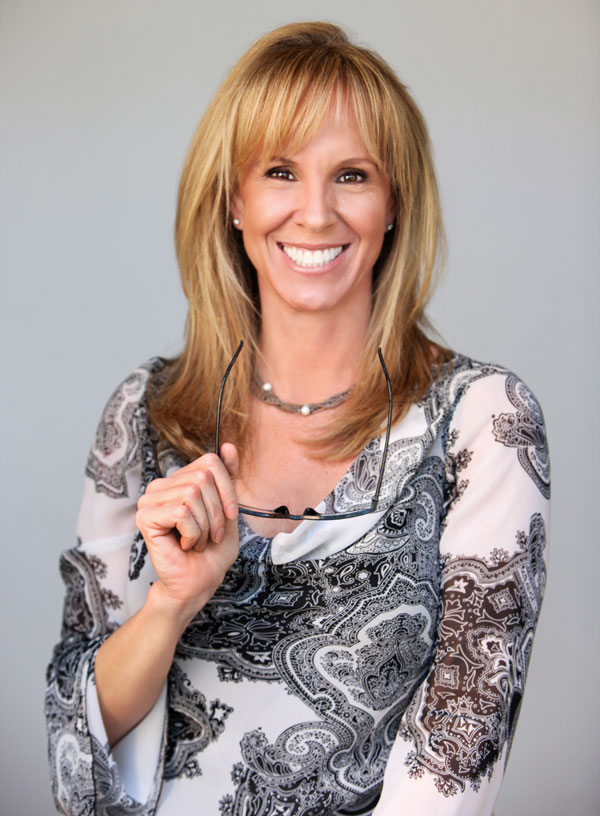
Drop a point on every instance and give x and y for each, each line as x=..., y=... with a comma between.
x=315, y=205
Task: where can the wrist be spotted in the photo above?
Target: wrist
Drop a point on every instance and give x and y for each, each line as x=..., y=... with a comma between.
x=169, y=612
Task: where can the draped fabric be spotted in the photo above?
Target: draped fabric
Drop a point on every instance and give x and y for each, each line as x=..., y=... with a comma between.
x=369, y=666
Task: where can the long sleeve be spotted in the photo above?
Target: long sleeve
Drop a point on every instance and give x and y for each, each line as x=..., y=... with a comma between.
x=455, y=735
x=87, y=777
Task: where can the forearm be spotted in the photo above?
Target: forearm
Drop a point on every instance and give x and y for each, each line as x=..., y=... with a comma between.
x=132, y=664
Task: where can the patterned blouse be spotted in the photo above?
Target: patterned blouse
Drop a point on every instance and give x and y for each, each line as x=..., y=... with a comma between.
x=372, y=665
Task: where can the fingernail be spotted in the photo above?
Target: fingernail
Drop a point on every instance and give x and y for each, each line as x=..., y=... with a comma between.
x=219, y=535
x=232, y=511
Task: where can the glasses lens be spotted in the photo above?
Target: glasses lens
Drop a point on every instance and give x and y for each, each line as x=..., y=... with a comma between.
x=282, y=512
x=309, y=514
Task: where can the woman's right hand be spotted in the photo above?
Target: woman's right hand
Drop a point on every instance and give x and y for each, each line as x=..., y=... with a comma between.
x=189, y=523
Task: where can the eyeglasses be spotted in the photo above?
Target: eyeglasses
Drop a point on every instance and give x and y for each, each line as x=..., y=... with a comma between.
x=310, y=514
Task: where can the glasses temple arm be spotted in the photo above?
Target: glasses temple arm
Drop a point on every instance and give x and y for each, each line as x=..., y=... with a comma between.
x=389, y=420
x=223, y=381
x=388, y=429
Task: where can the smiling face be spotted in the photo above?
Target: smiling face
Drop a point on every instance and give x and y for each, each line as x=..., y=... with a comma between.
x=313, y=222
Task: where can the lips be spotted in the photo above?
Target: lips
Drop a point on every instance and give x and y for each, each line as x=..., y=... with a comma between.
x=312, y=258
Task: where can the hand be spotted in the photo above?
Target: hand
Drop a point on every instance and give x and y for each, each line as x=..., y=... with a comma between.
x=189, y=523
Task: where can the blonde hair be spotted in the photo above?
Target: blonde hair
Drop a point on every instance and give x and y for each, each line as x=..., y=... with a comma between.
x=278, y=94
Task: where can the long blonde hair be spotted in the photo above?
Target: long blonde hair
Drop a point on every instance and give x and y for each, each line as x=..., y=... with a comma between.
x=278, y=94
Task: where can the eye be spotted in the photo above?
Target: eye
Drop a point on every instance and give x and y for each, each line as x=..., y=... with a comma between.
x=352, y=177
x=280, y=173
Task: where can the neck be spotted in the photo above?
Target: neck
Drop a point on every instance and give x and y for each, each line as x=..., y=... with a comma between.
x=307, y=357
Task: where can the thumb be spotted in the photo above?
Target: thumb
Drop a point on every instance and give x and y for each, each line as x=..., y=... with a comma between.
x=231, y=459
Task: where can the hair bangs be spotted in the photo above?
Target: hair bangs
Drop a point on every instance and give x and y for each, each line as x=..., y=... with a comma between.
x=282, y=106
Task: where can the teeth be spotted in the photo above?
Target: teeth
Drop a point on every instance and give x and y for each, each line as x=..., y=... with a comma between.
x=304, y=257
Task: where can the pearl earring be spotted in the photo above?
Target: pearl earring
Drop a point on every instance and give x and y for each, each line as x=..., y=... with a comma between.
x=389, y=228
x=236, y=222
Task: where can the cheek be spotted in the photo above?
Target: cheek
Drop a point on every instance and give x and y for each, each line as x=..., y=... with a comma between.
x=368, y=218
x=373, y=231
x=261, y=221
x=266, y=211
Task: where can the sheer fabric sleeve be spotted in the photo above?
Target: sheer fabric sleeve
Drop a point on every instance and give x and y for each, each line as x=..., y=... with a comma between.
x=87, y=777
x=455, y=736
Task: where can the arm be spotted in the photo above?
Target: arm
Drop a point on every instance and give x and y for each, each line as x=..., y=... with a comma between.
x=455, y=736
x=112, y=626
x=192, y=541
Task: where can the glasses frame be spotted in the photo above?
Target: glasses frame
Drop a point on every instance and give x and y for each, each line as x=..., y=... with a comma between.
x=309, y=513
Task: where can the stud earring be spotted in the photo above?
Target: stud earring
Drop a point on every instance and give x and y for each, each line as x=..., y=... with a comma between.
x=236, y=222
x=389, y=227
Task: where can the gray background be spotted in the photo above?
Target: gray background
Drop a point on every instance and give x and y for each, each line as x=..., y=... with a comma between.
x=99, y=100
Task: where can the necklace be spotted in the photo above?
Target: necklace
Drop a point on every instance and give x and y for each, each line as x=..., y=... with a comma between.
x=264, y=392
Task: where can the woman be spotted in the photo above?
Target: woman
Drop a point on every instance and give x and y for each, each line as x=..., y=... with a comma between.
x=244, y=661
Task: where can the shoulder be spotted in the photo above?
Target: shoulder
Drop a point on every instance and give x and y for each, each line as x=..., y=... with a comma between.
x=467, y=386
x=132, y=389
x=492, y=410
x=117, y=442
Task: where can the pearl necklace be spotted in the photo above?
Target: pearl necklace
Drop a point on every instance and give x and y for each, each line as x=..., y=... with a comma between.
x=264, y=392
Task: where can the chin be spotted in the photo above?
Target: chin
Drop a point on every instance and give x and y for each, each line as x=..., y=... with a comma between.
x=313, y=303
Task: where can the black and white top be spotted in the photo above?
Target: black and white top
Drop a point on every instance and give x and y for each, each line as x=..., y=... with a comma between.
x=384, y=649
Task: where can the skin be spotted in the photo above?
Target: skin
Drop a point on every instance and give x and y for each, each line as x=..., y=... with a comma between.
x=328, y=194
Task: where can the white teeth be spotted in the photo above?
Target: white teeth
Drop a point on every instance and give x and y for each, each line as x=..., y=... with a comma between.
x=305, y=257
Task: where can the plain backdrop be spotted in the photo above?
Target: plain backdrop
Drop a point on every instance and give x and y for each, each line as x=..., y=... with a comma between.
x=98, y=103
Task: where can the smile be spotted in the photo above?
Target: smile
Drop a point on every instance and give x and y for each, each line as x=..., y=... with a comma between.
x=310, y=258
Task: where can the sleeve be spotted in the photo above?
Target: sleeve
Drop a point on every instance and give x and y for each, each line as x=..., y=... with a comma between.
x=455, y=736
x=87, y=777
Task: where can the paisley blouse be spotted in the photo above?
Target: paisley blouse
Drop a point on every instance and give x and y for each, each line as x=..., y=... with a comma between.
x=372, y=665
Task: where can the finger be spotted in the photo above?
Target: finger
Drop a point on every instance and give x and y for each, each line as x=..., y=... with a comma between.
x=210, y=504
x=162, y=489
x=156, y=485
x=161, y=521
x=193, y=533
x=202, y=498
x=222, y=479
x=231, y=462
x=188, y=493
x=191, y=496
